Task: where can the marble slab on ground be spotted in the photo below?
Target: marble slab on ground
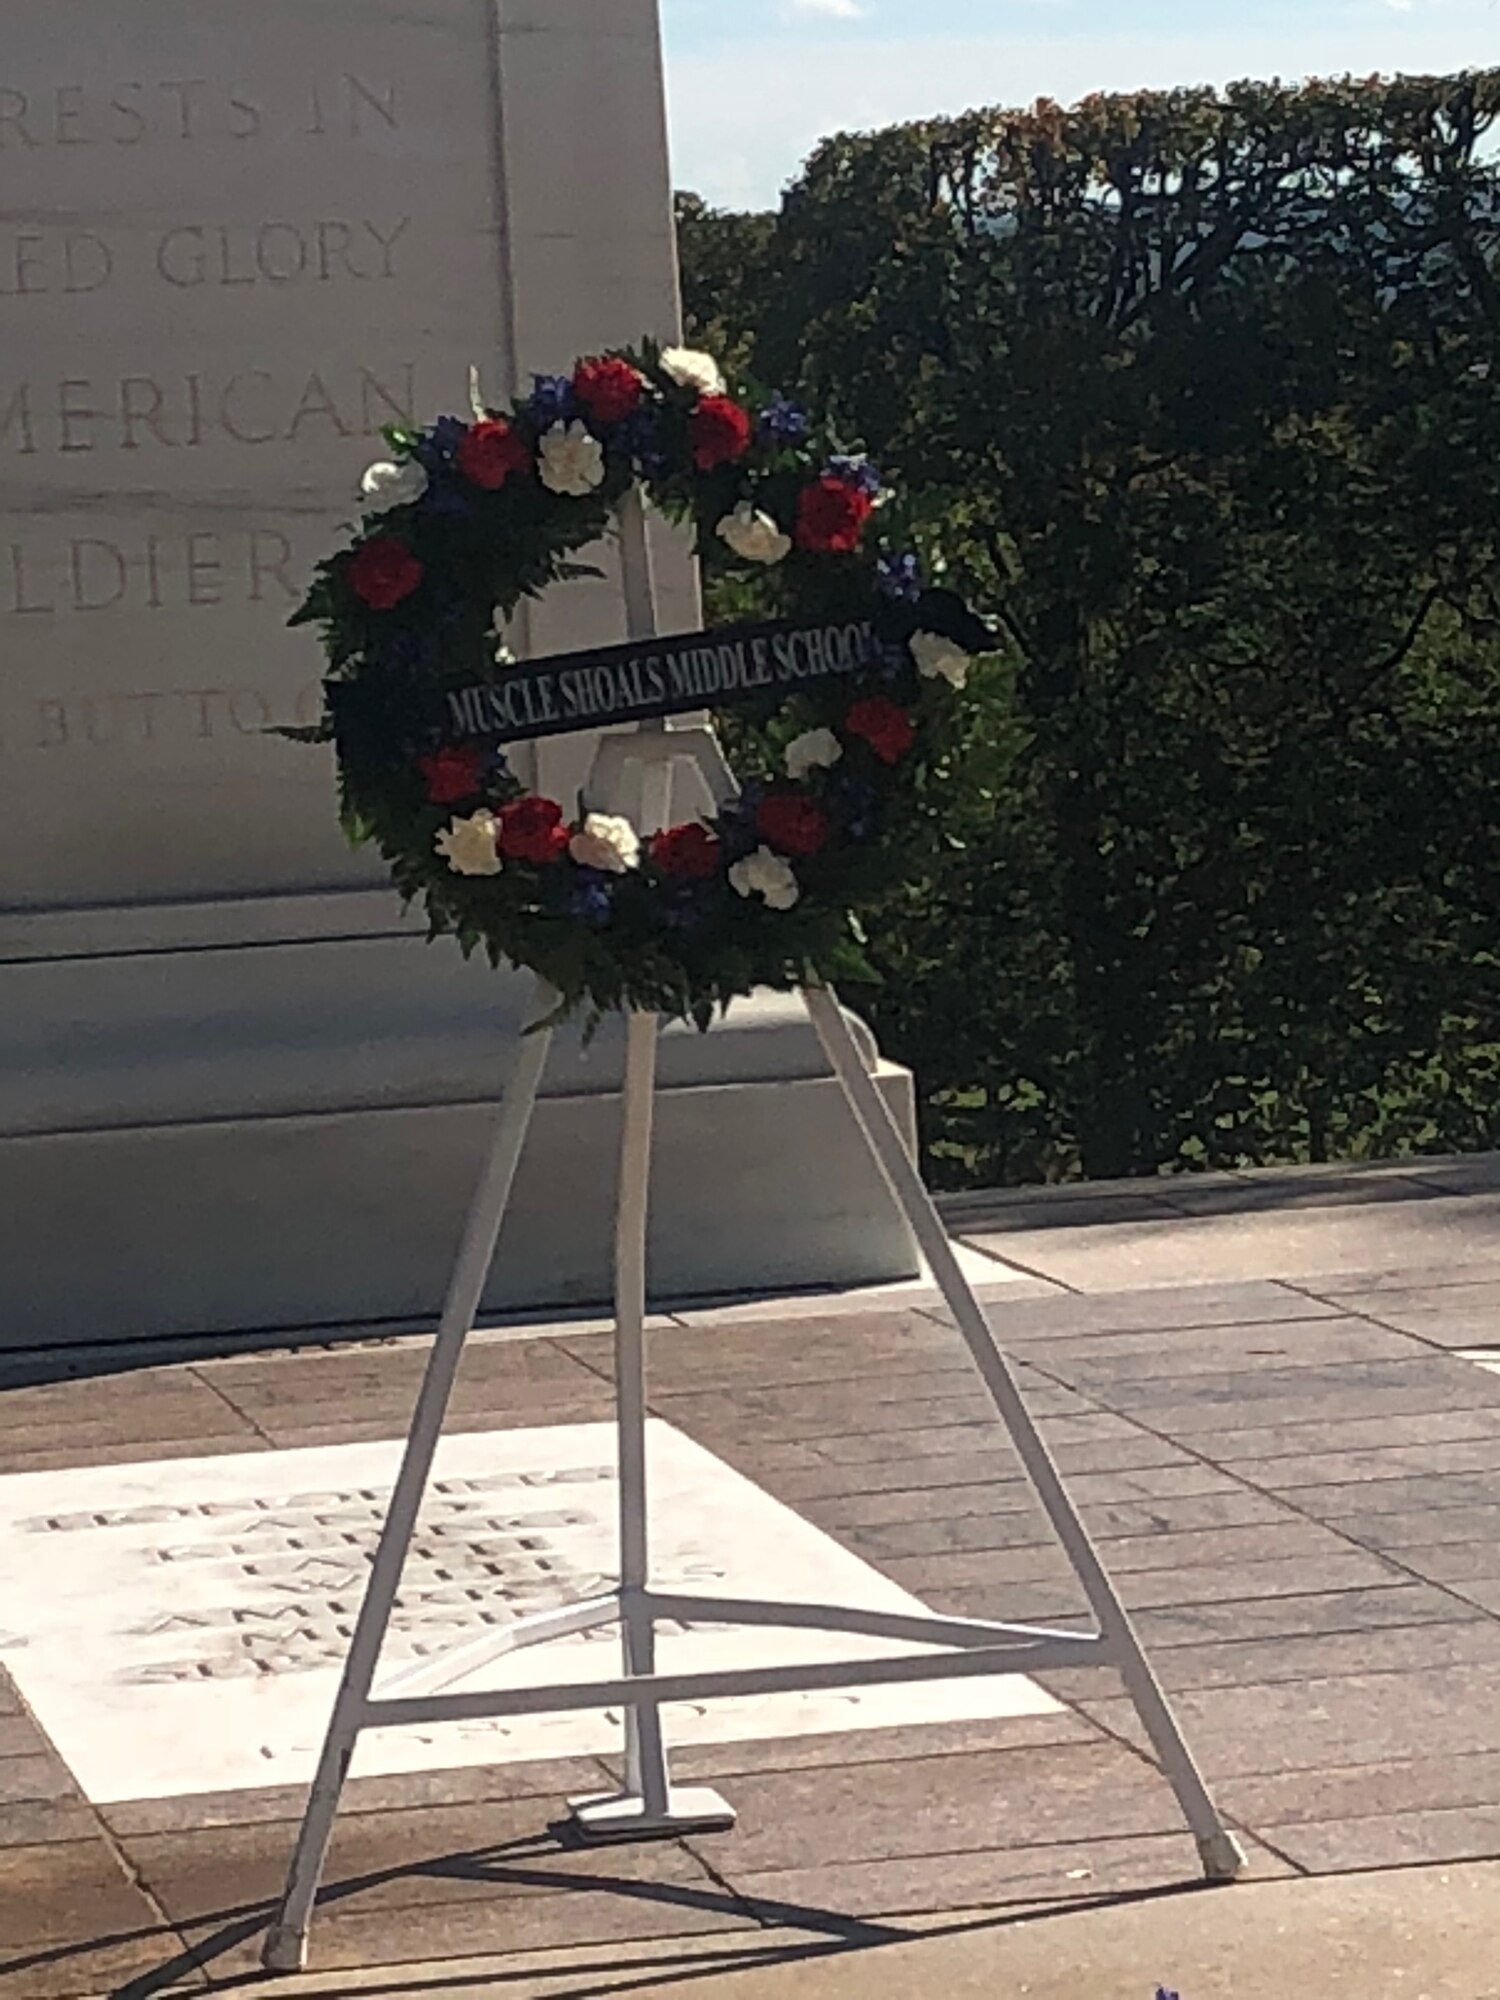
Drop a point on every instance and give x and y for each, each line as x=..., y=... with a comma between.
x=179, y=1626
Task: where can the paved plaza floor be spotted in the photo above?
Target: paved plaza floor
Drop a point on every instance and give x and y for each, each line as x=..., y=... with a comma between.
x=1270, y=1396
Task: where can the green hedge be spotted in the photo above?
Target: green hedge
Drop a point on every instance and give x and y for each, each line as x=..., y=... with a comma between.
x=1202, y=395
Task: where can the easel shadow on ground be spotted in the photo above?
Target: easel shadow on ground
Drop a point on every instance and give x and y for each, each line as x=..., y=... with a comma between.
x=634, y=1968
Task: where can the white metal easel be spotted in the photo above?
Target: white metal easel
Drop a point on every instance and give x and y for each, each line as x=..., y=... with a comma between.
x=650, y=1805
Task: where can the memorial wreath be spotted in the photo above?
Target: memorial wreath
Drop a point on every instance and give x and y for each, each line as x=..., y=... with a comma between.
x=845, y=695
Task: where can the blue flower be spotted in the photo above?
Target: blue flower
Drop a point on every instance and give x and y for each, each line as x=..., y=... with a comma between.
x=448, y=602
x=900, y=577
x=856, y=803
x=684, y=904
x=448, y=500
x=640, y=436
x=552, y=400
x=783, y=421
x=590, y=897
x=1163, y=1994
x=736, y=823
x=856, y=472
x=437, y=448
x=496, y=769
x=401, y=652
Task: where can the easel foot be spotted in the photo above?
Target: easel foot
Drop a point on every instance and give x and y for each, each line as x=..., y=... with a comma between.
x=285, y=1949
x=1222, y=1856
x=622, y=1816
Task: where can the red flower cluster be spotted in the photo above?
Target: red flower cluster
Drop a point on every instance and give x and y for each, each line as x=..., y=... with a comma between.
x=607, y=389
x=792, y=823
x=886, y=727
x=720, y=432
x=831, y=516
x=532, y=829
x=384, y=572
x=491, y=452
x=453, y=773
x=689, y=851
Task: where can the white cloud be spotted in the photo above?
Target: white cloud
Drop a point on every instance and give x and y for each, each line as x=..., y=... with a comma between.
x=744, y=118
x=836, y=10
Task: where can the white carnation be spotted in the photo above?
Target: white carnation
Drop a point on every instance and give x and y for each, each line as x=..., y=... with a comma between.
x=766, y=875
x=468, y=845
x=691, y=370
x=815, y=750
x=572, y=460
x=606, y=842
x=939, y=659
x=754, y=536
x=388, y=483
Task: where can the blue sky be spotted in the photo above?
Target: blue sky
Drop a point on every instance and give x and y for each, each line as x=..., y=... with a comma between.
x=755, y=83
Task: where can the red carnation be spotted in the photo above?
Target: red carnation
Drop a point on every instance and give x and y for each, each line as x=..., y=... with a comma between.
x=383, y=572
x=689, y=851
x=720, y=431
x=452, y=774
x=831, y=516
x=792, y=823
x=491, y=452
x=887, y=728
x=607, y=389
x=532, y=829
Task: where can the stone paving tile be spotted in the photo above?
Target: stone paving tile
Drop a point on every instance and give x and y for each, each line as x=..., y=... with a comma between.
x=1403, y=1503
x=1312, y=1614
x=1105, y=1362
x=549, y=1780
x=1208, y=1583
x=1152, y=1309
x=166, y=1397
x=64, y=1456
x=888, y=1344
x=828, y=1414
x=1242, y=1663
x=384, y=1861
x=612, y=1912
x=132, y=1964
x=71, y=1892
x=1319, y=1724
x=1404, y=1840
x=713, y=1763
x=1452, y=1474
x=1300, y=1439
x=45, y=1822
x=1282, y=1534
x=33, y=1779
x=1484, y=1594
x=1399, y=1277
x=1459, y=1563
x=1398, y=1785
x=1424, y=1527
x=921, y=1884
x=993, y=1800
x=1437, y=1326
x=1366, y=1389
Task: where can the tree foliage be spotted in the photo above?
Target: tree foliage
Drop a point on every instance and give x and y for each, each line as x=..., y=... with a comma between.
x=1201, y=393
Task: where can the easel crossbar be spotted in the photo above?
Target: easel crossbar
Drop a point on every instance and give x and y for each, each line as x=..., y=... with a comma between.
x=699, y=1685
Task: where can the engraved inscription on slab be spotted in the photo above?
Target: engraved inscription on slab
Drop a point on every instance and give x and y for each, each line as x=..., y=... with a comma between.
x=236, y=241
x=180, y=1627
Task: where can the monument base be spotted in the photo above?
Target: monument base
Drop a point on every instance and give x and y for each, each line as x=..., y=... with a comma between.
x=284, y=1134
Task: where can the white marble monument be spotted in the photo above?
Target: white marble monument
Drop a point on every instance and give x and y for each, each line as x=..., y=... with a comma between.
x=236, y=1089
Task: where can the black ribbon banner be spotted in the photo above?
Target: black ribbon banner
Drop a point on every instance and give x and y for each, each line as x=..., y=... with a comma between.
x=736, y=664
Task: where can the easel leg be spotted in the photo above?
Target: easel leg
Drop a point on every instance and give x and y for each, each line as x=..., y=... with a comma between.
x=645, y=1756
x=286, y=1945
x=649, y=1804
x=1217, y=1847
